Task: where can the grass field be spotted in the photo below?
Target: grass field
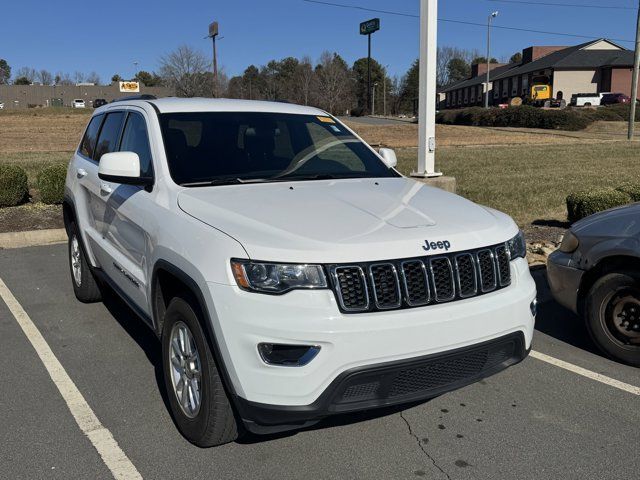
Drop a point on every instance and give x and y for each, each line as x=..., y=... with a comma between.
x=527, y=174
x=531, y=183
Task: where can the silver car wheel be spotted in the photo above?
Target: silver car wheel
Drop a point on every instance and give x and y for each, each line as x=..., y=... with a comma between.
x=186, y=370
x=76, y=261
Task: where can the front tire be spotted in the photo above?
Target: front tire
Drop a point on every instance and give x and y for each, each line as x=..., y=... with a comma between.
x=85, y=286
x=196, y=394
x=613, y=316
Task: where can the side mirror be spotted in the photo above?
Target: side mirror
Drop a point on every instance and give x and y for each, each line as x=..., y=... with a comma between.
x=121, y=167
x=389, y=157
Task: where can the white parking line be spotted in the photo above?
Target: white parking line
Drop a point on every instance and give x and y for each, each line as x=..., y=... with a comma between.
x=112, y=455
x=598, y=377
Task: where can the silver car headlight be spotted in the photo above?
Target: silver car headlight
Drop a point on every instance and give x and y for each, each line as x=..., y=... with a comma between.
x=517, y=246
x=277, y=278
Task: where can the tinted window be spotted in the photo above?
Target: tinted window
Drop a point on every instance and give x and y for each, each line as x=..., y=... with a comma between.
x=135, y=139
x=88, y=143
x=209, y=146
x=109, y=134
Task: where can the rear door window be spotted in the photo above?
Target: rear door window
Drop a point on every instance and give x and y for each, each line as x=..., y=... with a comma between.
x=109, y=134
x=88, y=144
x=135, y=139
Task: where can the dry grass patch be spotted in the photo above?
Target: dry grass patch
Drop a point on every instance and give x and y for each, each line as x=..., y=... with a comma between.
x=41, y=131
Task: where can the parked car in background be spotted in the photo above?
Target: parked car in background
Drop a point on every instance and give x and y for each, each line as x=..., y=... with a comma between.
x=585, y=99
x=596, y=274
x=98, y=102
x=78, y=103
x=615, y=98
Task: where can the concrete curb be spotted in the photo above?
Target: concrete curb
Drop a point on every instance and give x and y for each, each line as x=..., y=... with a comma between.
x=32, y=238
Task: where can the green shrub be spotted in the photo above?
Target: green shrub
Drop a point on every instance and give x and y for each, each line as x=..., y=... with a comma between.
x=583, y=204
x=13, y=185
x=524, y=116
x=631, y=189
x=51, y=182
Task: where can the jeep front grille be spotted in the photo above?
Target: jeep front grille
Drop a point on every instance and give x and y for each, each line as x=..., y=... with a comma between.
x=416, y=282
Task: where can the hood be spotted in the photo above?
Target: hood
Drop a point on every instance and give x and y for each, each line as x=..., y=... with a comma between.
x=348, y=220
x=620, y=221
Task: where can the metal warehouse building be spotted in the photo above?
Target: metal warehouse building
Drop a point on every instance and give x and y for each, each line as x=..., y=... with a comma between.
x=25, y=96
x=592, y=67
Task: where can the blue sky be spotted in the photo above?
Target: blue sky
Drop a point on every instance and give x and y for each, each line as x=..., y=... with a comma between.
x=81, y=35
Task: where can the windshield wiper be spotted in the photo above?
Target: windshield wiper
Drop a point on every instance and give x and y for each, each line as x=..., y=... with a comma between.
x=319, y=176
x=222, y=181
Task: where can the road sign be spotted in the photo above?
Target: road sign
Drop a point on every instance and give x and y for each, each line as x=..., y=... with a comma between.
x=370, y=26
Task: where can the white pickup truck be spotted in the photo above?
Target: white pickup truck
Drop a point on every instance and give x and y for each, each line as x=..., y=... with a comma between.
x=289, y=271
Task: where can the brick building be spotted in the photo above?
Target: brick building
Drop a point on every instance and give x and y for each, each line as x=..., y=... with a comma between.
x=592, y=67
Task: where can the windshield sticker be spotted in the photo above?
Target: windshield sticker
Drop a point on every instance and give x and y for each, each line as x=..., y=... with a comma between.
x=335, y=129
x=326, y=119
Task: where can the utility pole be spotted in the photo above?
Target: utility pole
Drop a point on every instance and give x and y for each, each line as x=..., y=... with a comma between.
x=634, y=82
x=486, y=95
x=367, y=28
x=213, y=33
x=427, y=89
x=384, y=90
x=373, y=104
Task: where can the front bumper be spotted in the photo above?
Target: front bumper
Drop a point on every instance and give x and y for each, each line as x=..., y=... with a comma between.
x=392, y=383
x=352, y=342
x=564, y=279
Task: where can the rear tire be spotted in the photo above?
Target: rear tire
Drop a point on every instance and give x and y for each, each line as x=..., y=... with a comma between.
x=85, y=285
x=199, y=403
x=613, y=316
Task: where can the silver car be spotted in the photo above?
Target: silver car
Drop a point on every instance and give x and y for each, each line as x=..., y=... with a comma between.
x=596, y=274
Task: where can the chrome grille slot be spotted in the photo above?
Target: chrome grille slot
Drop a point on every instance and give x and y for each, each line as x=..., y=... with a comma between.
x=385, y=285
x=442, y=276
x=416, y=283
x=487, y=270
x=352, y=288
x=504, y=265
x=466, y=275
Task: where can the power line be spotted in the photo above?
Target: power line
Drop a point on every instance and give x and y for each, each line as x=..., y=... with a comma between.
x=447, y=20
x=573, y=5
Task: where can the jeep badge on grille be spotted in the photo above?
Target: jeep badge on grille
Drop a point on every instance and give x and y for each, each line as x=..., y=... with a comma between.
x=442, y=245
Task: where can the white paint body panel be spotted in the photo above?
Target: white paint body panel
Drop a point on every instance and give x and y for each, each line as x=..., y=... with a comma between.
x=198, y=230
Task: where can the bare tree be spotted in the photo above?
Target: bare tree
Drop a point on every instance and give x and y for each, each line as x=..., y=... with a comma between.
x=93, y=77
x=27, y=72
x=334, y=83
x=305, y=77
x=45, y=77
x=186, y=71
x=63, y=78
x=78, y=77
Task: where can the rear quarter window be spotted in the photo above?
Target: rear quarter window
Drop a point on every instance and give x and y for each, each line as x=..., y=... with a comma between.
x=88, y=143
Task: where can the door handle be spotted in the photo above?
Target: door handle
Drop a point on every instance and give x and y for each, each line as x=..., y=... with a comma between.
x=81, y=173
x=105, y=188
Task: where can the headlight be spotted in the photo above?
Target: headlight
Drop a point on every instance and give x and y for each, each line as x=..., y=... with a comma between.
x=517, y=246
x=277, y=277
x=569, y=243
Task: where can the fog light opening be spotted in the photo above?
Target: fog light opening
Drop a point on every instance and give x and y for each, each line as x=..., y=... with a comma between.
x=534, y=307
x=287, y=355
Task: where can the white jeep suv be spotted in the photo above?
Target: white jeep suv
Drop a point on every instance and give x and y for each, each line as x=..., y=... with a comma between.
x=289, y=271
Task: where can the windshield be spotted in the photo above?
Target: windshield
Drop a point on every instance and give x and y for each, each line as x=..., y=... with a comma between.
x=205, y=148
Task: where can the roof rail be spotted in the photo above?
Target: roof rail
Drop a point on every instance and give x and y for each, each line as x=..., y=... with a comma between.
x=135, y=97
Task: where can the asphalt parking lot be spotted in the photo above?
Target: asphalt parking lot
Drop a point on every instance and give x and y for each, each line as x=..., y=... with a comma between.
x=535, y=420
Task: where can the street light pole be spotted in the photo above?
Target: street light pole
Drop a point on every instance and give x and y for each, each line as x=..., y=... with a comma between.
x=373, y=100
x=486, y=95
x=384, y=90
x=634, y=82
x=427, y=90
x=213, y=33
